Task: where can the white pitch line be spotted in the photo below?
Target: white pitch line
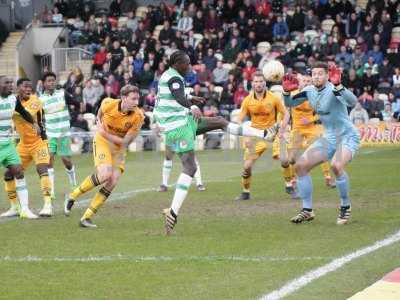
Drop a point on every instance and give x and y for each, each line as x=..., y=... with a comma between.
x=336, y=264
x=133, y=258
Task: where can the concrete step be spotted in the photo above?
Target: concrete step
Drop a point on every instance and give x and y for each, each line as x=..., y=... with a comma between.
x=13, y=39
x=17, y=33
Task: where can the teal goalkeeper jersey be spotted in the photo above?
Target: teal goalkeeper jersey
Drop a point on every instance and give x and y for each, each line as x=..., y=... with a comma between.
x=169, y=114
x=57, y=118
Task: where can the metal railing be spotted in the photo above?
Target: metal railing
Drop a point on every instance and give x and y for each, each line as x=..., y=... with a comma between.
x=45, y=63
x=63, y=59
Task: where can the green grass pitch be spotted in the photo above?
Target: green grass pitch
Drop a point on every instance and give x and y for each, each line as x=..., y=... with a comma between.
x=220, y=249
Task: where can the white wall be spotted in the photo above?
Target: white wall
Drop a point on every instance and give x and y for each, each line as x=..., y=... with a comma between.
x=36, y=43
x=44, y=39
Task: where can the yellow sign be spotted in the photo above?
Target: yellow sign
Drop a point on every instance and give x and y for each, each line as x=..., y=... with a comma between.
x=383, y=133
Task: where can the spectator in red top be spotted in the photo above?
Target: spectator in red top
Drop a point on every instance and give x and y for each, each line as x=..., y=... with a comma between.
x=265, y=6
x=239, y=95
x=99, y=58
x=249, y=70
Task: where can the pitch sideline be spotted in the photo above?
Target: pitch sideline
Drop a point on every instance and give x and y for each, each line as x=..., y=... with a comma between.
x=334, y=265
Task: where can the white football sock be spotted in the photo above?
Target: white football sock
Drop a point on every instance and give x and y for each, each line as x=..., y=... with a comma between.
x=166, y=171
x=197, y=175
x=22, y=193
x=71, y=176
x=244, y=130
x=182, y=188
x=251, y=131
x=51, y=177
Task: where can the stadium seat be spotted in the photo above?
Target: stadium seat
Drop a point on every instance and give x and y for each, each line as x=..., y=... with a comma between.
x=396, y=33
x=71, y=21
x=90, y=119
x=89, y=116
x=98, y=20
x=198, y=36
x=352, y=43
x=219, y=90
x=383, y=97
x=310, y=35
x=159, y=27
x=219, y=56
x=227, y=66
x=362, y=3
x=327, y=25
x=122, y=21
x=141, y=11
x=263, y=47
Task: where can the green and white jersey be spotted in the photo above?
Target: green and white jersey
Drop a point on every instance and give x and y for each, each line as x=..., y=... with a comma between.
x=56, y=114
x=168, y=113
x=7, y=108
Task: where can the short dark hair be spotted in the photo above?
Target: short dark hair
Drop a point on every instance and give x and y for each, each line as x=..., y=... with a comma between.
x=22, y=80
x=48, y=74
x=127, y=89
x=177, y=57
x=320, y=65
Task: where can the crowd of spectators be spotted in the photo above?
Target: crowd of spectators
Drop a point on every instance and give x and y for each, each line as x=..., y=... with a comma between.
x=227, y=41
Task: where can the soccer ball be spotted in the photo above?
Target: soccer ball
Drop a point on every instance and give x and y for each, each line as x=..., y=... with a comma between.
x=273, y=71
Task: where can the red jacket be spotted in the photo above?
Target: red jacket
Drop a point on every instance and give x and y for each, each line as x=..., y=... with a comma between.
x=99, y=58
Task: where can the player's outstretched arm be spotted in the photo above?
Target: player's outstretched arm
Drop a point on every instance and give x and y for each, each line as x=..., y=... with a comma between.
x=342, y=94
x=289, y=84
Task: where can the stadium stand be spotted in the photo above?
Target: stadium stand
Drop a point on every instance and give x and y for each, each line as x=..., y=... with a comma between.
x=131, y=45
